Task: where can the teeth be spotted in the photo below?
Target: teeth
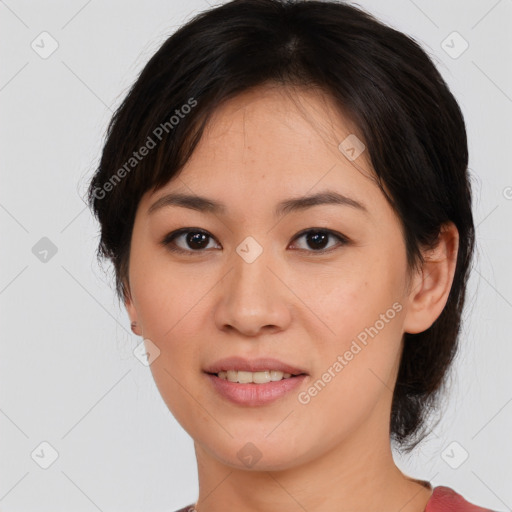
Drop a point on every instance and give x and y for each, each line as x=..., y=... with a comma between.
x=255, y=377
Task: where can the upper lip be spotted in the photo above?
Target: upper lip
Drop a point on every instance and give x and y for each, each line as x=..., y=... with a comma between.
x=252, y=365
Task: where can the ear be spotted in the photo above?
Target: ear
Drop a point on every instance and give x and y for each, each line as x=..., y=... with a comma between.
x=130, y=309
x=431, y=285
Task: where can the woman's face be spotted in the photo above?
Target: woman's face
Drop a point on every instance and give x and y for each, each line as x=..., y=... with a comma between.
x=255, y=284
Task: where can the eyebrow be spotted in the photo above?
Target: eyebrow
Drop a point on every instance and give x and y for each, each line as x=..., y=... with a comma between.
x=206, y=205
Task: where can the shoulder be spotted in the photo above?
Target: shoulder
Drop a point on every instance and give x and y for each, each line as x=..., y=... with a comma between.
x=445, y=499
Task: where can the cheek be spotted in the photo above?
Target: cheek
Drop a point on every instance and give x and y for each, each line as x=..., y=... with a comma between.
x=163, y=293
x=353, y=294
x=355, y=374
x=172, y=303
x=171, y=309
x=361, y=304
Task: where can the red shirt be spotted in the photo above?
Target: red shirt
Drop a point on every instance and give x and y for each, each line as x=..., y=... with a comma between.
x=443, y=499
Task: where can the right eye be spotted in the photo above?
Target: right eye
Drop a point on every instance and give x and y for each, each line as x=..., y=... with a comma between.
x=195, y=240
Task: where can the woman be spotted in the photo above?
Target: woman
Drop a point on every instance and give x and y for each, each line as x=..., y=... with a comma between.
x=285, y=198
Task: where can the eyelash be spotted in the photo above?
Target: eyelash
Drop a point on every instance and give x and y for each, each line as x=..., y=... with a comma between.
x=168, y=240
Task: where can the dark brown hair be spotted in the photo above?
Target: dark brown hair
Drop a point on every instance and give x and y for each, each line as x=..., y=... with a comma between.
x=410, y=122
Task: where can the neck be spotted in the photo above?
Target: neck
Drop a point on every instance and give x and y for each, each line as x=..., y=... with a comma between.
x=356, y=475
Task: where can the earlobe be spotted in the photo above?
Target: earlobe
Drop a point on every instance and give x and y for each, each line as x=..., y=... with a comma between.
x=132, y=313
x=432, y=283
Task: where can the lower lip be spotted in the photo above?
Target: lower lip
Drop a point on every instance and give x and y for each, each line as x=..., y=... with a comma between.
x=255, y=394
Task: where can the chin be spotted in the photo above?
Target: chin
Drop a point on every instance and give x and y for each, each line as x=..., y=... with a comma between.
x=257, y=453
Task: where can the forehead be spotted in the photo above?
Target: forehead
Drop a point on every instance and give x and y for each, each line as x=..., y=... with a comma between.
x=275, y=121
x=272, y=143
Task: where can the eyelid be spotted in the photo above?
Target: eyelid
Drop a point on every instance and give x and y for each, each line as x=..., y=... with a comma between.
x=342, y=238
x=170, y=237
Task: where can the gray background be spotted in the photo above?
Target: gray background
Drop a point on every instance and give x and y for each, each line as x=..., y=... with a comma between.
x=67, y=369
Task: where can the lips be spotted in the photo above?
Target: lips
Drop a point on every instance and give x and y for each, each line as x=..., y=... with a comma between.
x=253, y=365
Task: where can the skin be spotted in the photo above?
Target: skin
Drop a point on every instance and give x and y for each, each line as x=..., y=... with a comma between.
x=291, y=303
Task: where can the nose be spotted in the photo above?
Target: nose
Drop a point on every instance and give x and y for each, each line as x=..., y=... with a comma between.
x=253, y=299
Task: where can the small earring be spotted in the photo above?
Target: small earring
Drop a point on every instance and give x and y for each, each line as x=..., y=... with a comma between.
x=133, y=325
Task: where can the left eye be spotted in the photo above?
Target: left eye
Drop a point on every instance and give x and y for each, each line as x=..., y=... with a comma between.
x=318, y=239
x=197, y=240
